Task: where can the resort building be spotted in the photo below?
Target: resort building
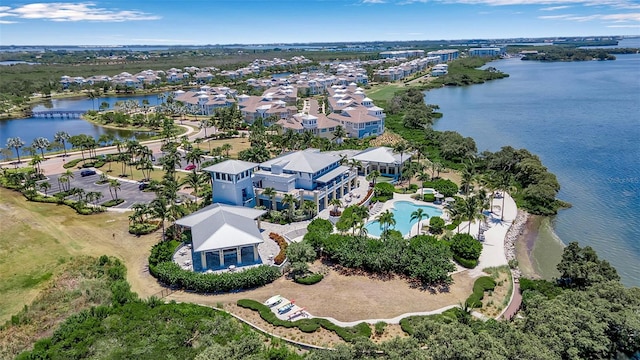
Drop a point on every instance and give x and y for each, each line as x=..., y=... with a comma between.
x=208, y=99
x=223, y=236
x=445, y=55
x=355, y=112
x=232, y=182
x=440, y=70
x=308, y=175
x=278, y=104
x=486, y=52
x=402, y=54
x=382, y=159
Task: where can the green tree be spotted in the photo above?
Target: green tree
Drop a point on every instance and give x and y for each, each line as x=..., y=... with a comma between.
x=15, y=143
x=466, y=247
x=419, y=214
x=271, y=194
x=386, y=220
x=581, y=267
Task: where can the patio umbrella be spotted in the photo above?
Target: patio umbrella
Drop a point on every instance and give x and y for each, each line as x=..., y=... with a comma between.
x=449, y=199
x=439, y=196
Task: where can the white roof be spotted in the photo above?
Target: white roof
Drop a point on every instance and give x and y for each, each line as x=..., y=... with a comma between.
x=381, y=154
x=221, y=226
x=231, y=167
x=307, y=161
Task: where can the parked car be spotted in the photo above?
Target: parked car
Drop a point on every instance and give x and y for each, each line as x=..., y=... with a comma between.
x=87, y=172
x=190, y=167
x=143, y=185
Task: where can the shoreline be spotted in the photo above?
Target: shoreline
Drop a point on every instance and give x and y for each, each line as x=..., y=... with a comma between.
x=532, y=242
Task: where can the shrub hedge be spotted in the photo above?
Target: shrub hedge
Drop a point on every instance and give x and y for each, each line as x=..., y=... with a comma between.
x=113, y=202
x=481, y=285
x=429, y=197
x=169, y=273
x=307, y=325
x=71, y=163
x=143, y=228
x=309, y=279
x=468, y=263
x=282, y=243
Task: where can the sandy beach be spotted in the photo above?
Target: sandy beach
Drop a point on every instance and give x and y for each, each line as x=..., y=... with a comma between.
x=537, y=248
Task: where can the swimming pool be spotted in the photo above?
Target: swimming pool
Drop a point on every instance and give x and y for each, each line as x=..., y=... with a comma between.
x=402, y=214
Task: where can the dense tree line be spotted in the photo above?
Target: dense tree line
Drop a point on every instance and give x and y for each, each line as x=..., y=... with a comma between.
x=423, y=258
x=564, y=53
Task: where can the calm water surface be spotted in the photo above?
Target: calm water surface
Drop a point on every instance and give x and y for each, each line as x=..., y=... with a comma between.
x=30, y=128
x=583, y=120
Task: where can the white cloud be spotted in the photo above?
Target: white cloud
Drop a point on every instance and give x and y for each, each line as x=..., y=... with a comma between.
x=553, y=8
x=557, y=4
x=624, y=26
x=373, y=1
x=7, y=22
x=74, y=12
x=624, y=17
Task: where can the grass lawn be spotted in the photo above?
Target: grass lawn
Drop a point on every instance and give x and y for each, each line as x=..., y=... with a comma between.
x=238, y=144
x=36, y=239
x=383, y=92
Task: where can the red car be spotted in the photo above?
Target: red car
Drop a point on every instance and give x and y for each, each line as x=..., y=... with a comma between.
x=190, y=167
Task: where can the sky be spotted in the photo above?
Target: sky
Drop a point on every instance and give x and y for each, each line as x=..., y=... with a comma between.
x=201, y=22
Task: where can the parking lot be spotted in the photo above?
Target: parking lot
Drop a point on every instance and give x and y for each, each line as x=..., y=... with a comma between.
x=128, y=190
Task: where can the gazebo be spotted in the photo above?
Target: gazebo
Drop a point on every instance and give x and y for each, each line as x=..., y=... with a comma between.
x=223, y=236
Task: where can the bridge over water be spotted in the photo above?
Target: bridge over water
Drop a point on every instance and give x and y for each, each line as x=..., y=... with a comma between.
x=58, y=113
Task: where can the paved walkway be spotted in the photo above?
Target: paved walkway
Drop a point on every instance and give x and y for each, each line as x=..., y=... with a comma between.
x=514, y=305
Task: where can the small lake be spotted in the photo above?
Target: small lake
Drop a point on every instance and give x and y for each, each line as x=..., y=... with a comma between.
x=33, y=127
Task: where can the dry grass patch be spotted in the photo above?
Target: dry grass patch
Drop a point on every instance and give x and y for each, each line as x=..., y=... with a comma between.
x=497, y=300
x=391, y=331
x=386, y=139
x=37, y=238
x=348, y=298
x=237, y=144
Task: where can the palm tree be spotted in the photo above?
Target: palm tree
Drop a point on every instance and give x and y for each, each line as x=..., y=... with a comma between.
x=44, y=186
x=41, y=143
x=338, y=134
x=290, y=201
x=92, y=95
x=373, y=176
x=271, y=193
x=36, y=160
x=309, y=207
x=336, y=203
x=419, y=214
x=114, y=186
x=466, y=177
x=504, y=184
x=423, y=177
x=386, y=220
x=69, y=175
x=226, y=147
x=195, y=181
x=401, y=147
x=354, y=164
x=195, y=156
x=158, y=207
x=470, y=210
x=16, y=143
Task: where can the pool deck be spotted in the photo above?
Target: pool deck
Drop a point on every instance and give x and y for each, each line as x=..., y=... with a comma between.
x=495, y=230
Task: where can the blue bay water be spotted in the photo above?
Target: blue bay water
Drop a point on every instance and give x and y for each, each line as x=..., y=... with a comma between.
x=583, y=120
x=33, y=127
